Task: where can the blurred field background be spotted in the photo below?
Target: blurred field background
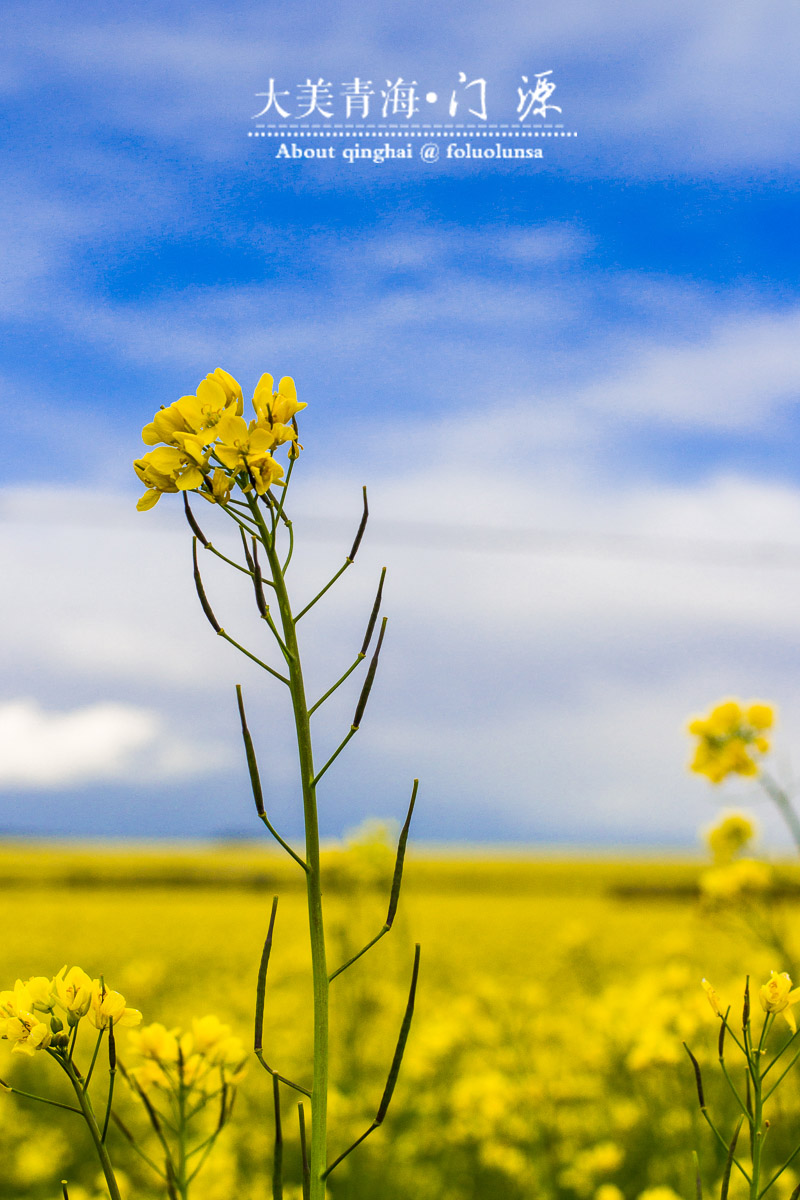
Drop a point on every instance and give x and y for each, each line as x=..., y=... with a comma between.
x=545, y=1058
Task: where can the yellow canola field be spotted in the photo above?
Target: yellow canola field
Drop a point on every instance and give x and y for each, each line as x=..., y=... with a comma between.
x=545, y=1057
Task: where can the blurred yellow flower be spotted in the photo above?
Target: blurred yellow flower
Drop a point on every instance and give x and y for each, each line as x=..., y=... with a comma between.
x=730, y=835
x=155, y=1041
x=732, y=880
x=777, y=995
x=201, y=1058
x=728, y=737
x=713, y=996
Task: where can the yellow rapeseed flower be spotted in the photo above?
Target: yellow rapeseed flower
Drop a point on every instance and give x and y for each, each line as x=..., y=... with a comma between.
x=19, y=1023
x=169, y=469
x=73, y=993
x=200, y=1058
x=107, y=1006
x=728, y=737
x=247, y=448
x=731, y=880
x=731, y=833
x=777, y=995
x=209, y=425
x=276, y=407
x=196, y=416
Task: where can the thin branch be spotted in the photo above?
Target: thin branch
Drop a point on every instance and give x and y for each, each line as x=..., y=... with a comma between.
x=338, y=684
x=231, y=562
x=127, y=1134
x=362, y=654
x=261, y=987
x=285, y=489
x=255, y=781
x=88, y=1078
x=777, y=1174
x=394, y=896
x=353, y=730
x=155, y=1122
x=394, y=1070
x=347, y=563
x=42, y=1099
x=258, y=661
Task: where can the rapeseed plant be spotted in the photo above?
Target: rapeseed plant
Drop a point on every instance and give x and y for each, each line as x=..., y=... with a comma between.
x=211, y=449
x=33, y=1020
x=757, y=1047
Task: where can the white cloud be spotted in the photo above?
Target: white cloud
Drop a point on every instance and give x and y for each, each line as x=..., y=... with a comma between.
x=61, y=749
x=107, y=742
x=739, y=372
x=544, y=684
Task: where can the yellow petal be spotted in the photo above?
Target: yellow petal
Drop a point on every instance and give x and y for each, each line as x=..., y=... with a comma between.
x=148, y=500
x=287, y=388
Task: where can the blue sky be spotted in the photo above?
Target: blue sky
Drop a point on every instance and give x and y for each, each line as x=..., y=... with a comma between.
x=570, y=384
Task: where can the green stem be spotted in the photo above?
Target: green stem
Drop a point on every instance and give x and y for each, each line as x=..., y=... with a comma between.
x=319, y=1090
x=182, y=1181
x=758, y=1114
x=89, y=1117
x=781, y=800
x=88, y=1078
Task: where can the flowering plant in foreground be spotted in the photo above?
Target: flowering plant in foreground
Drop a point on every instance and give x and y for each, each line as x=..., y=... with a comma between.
x=45, y=1016
x=762, y=1058
x=205, y=444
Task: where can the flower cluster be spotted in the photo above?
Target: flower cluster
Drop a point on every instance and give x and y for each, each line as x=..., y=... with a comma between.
x=31, y=1014
x=777, y=995
x=204, y=1059
x=209, y=445
x=728, y=738
x=731, y=834
x=731, y=877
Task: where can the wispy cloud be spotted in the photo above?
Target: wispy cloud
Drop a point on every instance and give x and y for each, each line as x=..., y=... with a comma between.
x=100, y=743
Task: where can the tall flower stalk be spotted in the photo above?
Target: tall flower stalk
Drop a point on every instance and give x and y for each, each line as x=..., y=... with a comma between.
x=210, y=449
x=760, y=1061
